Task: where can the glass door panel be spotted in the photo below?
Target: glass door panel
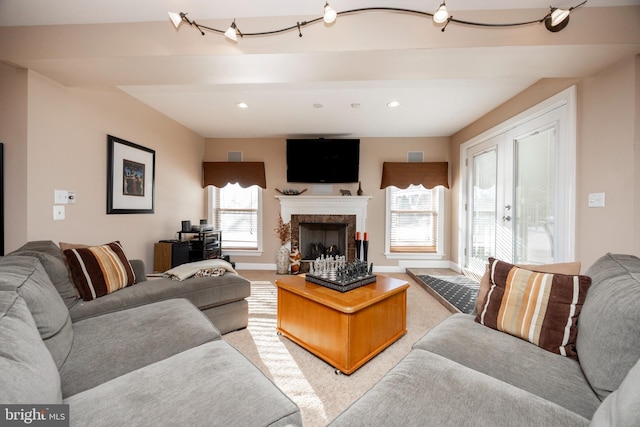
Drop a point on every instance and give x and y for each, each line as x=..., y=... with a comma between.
x=535, y=195
x=483, y=208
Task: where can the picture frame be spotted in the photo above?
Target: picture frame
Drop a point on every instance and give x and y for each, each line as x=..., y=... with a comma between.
x=130, y=177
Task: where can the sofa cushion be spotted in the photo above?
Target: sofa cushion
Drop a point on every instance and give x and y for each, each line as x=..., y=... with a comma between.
x=542, y=308
x=111, y=345
x=425, y=389
x=28, y=372
x=55, y=264
x=622, y=407
x=562, y=268
x=211, y=384
x=512, y=360
x=26, y=276
x=204, y=292
x=100, y=270
x=609, y=335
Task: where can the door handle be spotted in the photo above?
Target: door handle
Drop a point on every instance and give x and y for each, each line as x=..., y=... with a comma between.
x=506, y=218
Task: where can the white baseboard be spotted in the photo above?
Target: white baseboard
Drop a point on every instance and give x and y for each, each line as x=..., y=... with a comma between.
x=400, y=268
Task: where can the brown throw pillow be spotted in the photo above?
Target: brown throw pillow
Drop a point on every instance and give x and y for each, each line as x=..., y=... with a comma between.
x=99, y=270
x=542, y=308
x=562, y=268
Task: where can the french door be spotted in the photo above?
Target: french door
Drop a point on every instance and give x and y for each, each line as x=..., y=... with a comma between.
x=519, y=194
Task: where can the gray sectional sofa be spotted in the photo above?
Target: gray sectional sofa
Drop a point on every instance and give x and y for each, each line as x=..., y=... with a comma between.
x=463, y=373
x=148, y=358
x=222, y=298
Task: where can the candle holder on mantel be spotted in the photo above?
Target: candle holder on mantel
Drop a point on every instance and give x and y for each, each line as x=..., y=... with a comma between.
x=358, y=250
x=365, y=250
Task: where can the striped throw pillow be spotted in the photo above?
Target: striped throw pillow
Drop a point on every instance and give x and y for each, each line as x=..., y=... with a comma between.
x=542, y=308
x=99, y=270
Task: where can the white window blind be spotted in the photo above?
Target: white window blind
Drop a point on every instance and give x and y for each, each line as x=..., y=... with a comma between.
x=413, y=219
x=235, y=211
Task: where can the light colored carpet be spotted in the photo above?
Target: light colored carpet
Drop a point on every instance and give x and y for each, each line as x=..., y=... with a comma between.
x=308, y=380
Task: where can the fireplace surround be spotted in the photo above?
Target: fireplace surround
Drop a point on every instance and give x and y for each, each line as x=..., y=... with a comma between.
x=350, y=211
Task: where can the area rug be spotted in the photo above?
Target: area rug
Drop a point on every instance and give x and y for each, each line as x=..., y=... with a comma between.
x=459, y=291
x=313, y=384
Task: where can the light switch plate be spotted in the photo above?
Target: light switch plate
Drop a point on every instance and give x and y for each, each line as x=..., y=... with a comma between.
x=60, y=197
x=58, y=212
x=596, y=200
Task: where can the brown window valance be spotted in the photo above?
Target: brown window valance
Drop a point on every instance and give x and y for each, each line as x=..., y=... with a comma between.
x=246, y=174
x=401, y=175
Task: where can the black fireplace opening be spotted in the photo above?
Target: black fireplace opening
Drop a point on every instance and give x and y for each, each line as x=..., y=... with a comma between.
x=317, y=239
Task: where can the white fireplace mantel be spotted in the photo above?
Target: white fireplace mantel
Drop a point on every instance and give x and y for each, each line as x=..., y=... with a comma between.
x=325, y=205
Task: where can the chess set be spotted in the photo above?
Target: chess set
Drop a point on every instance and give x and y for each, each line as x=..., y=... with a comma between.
x=333, y=272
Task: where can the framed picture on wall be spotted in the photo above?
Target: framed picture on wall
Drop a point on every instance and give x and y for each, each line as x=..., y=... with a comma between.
x=130, y=177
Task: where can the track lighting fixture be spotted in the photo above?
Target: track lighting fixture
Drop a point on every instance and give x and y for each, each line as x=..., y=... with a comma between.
x=330, y=14
x=232, y=32
x=558, y=18
x=441, y=15
x=176, y=18
x=554, y=21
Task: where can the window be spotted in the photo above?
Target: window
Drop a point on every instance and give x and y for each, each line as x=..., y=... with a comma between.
x=237, y=212
x=414, y=223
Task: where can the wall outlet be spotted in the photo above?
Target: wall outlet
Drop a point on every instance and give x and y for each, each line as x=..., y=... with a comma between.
x=58, y=213
x=596, y=200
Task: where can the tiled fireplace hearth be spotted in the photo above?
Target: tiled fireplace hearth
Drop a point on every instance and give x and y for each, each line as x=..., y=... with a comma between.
x=316, y=218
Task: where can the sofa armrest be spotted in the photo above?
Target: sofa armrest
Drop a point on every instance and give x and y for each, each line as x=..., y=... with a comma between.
x=139, y=270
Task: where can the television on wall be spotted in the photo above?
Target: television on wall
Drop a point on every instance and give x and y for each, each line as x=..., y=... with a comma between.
x=323, y=160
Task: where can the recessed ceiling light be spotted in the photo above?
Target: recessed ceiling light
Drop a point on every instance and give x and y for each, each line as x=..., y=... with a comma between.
x=355, y=105
x=242, y=105
x=393, y=104
x=318, y=105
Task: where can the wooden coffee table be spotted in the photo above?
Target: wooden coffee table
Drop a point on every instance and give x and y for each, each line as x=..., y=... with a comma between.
x=346, y=329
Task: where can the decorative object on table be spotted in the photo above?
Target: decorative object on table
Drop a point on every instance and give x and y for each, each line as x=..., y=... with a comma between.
x=130, y=177
x=358, y=245
x=345, y=192
x=336, y=274
x=365, y=247
x=291, y=191
x=359, y=189
x=294, y=259
x=282, y=257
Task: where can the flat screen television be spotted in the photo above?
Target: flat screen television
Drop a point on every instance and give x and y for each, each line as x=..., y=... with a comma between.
x=323, y=160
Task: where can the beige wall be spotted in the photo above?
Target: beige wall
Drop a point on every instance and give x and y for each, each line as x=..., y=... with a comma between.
x=66, y=149
x=607, y=156
x=13, y=134
x=373, y=152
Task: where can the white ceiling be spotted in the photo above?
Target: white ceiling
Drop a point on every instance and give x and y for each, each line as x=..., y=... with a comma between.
x=443, y=81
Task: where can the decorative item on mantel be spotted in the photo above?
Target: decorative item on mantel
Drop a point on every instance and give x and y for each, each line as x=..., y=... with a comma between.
x=282, y=257
x=291, y=191
x=359, y=189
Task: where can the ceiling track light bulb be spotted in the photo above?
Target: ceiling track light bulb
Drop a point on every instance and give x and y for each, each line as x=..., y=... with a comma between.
x=559, y=15
x=441, y=15
x=330, y=14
